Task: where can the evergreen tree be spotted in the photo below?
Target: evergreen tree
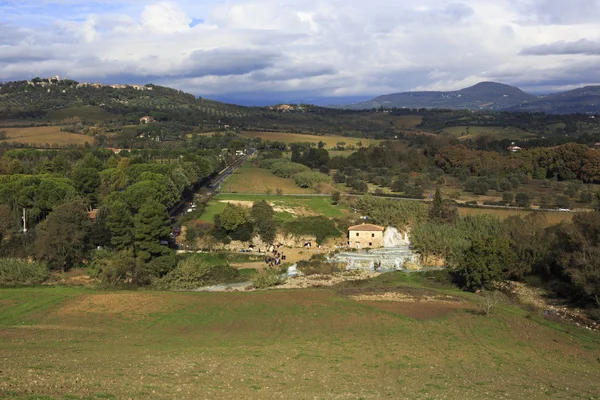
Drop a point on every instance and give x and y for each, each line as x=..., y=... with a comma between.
x=62, y=238
x=151, y=225
x=120, y=222
x=263, y=217
x=440, y=211
x=484, y=262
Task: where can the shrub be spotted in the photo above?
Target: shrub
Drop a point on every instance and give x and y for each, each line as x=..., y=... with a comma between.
x=193, y=272
x=18, y=272
x=397, y=213
x=508, y=197
x=268, y=277
x=309, y=179
x=287, y=169
x=586, y=197
x=320, y=227
x=522, y=200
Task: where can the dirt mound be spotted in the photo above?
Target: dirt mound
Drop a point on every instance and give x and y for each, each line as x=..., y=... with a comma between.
x=298, y=211
x=410, y=302
x=126, y=304
x=301, y=282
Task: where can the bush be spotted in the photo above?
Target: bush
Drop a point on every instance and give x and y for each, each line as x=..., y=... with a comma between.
x=268, y=277
x=17, y=272
x=508, y=197
x=309, y=179
x=320, y=227
x=287, y=169
x=522, y=200
x=193, y=272
x=397, y=213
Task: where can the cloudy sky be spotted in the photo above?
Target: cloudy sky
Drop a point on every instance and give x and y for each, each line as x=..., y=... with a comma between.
x=322, y=51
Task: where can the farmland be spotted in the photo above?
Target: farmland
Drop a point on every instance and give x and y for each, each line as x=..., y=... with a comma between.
x=330, y=141
x=42, y=135
x=59, y=342
x=250, y=179
x=493, y=132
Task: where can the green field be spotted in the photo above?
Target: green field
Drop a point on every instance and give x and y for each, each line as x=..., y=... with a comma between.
x=342, y=343
x=493, y=132
x=286, y=207
x=250, y=179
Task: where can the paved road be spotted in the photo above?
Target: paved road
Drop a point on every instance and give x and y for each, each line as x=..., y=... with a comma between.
x=212, y=186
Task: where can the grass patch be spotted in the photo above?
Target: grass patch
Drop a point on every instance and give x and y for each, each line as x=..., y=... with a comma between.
x=313, y=342
x=250, y=179
x=286, y=207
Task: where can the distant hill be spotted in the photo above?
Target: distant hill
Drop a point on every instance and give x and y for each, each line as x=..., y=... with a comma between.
x=491, y=96
x=37, y=98
x=585, y=100
x=483, y=96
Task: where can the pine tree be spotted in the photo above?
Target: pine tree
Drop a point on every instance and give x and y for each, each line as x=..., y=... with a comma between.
x=440, y=211
x=120, y=223
x=151, y=225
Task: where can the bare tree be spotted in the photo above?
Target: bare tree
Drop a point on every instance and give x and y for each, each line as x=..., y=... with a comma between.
x=489, y=300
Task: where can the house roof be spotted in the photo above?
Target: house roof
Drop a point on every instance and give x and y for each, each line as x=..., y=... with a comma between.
x=367, y=228
x=93, y=213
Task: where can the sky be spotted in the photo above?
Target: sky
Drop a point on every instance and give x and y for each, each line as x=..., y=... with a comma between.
x=314, y=51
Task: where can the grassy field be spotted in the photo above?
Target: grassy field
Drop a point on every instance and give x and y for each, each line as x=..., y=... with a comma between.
x=86, y=113
x=494, y=132
x=250, y=179
x=286, y=207
x=552, y=218
x=45, y=135
x=330, y=141
x=73, y=343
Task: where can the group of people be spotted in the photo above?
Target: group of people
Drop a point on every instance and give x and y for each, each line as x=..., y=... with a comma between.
x=276, y=258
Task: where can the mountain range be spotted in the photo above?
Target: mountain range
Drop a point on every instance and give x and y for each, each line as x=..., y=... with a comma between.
x=491, y=96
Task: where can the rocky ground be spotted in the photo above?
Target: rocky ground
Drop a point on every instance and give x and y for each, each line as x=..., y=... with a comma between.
x=553, y=308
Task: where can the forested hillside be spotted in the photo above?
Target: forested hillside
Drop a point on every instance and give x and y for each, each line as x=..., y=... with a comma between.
x=34, y=99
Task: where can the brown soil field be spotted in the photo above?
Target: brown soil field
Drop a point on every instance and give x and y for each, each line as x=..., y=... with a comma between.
x=330, y=141
x=45, y=135
x=57, y=343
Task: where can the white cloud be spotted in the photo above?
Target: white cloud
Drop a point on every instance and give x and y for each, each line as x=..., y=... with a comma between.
x=165, y=18
x=305, y=47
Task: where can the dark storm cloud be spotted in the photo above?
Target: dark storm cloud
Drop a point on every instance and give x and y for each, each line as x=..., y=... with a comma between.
x=293, y=72
x=582, y=46
x=225, y=62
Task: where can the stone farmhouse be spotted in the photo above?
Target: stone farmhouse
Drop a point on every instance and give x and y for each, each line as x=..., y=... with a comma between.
x=366, y=236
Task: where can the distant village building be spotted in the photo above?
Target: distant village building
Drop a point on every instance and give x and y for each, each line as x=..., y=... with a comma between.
x=146, y=120
x=514, y=149
x=366, y=235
